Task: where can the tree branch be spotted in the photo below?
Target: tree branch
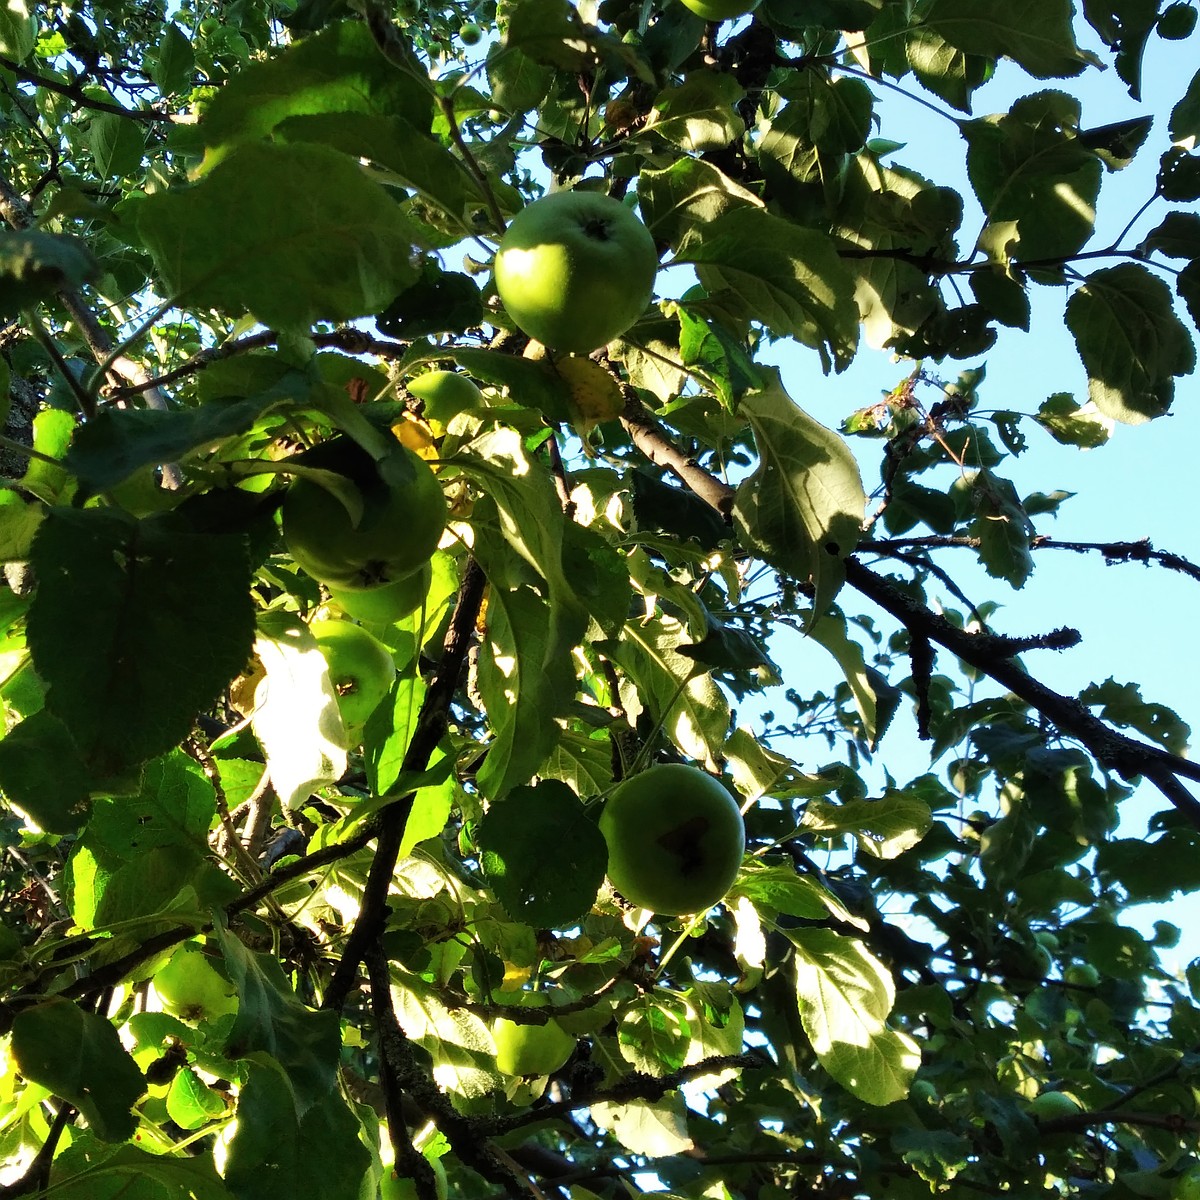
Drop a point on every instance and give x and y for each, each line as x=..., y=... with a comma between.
x=73, y=91
x=466, y=1135
x=352, y=341
x=990, y=653
x=649, y=438
x=431, y=725
x=994, y=657
x=635, y=1086
x=1140, y=551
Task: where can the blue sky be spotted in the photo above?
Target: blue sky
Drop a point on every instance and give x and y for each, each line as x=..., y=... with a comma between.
x=1134, y=619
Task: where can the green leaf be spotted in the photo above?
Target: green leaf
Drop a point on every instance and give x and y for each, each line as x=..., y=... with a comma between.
x=43, y=773
x=1187, y=286
x=175, y=61
x=830, y=631
x=525, y=679
x=339, y=70
x=1074, y=424
x=117, y=598
x=400, y=148
x=439, y=302
x=518, y=83
x=86, y=1170
x=242, y=239
x=78, y=1056
x=540, y=889
x=53, y=429
x=532, y=384
x=1036, y=33
x=273, y=1150
x=274, y=1027
x=1176, y=236
x=118, y=442
x=802, y=509
x=18, y=30
x=659, y=505
x=1117, y=144
x=782, y=890
x=1003, y=528
x=698, y=114
x=1035, y=177
x=655, y=1130
x=884, y=828
x=191, y=1103
x=530, y=516
x=18, y=524
x=765, y=269
x=581, y=761
x=117, y=145
x=1122, y=704
x=550, y=32
x=844, y=996
x=1131, y=342
x=690, y=707
x=142, y=852
x=688, y=195
x=892, y=209
x=1184, y=125
x=803, y=151
x=33, y=266
x=944, y=69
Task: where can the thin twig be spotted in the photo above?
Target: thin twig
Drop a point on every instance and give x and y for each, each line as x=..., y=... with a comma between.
x=74, y=91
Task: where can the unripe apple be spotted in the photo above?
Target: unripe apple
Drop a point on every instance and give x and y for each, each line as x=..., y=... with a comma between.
x=720, y=10
x=387, y=603
x=401, y=1187
x=400, y=526
x=191, y=987
x=575, y=270
x=1050, y=1105
x=675, y=839
x=1082, y=975
x=531, y=1049
x=445, y=394
x=361, y=669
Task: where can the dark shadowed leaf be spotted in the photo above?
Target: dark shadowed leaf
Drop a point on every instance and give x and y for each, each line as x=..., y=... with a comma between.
x=119, y=598
x=543, y=855
x=78, y=1056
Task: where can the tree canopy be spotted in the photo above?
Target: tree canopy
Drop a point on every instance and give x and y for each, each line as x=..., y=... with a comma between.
x=338, y=608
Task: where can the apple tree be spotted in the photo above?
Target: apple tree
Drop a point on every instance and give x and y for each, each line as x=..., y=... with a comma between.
x=338, y=606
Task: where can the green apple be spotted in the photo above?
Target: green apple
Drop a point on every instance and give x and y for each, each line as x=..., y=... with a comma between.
x=191, y=987
x=361, y=670
x=471, y=34
x=388, y=602
x=1082, y=975
x=1187, y=1184
x=399, y=530
x=575, y=270
x=1050, y=1105
x=445, y=394
x=531, y=1049
x=675, y=839
x=401, y=1187
x=720, y=10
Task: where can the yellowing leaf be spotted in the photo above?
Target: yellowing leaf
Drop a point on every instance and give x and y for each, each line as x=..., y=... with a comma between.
x=416, y=434
x=595, y=395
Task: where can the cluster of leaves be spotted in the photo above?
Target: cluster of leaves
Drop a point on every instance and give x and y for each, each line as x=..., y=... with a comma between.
x=204, y=210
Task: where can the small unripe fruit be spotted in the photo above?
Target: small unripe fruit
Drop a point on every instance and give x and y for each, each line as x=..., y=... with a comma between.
x=531, y=1049
x=470, y=34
